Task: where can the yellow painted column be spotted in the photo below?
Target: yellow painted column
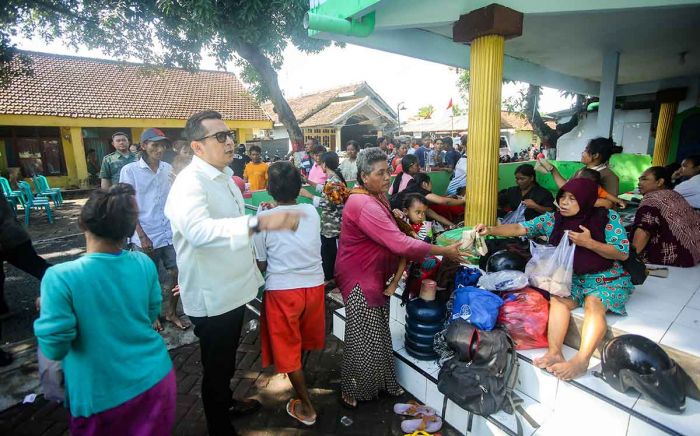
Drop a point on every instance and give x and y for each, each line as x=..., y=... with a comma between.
x=136, y=134
x=486, y=69
x=662, y=143
x=76, y=139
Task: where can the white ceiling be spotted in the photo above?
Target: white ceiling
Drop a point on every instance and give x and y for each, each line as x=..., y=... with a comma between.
x=650, y=41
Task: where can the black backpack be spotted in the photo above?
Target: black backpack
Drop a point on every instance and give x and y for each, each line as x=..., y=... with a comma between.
x=480, y=378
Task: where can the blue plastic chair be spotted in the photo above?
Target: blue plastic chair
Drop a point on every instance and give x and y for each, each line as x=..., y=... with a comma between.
x=12, y=202
x=14, y=196
x=32, y=202
x=41, y=186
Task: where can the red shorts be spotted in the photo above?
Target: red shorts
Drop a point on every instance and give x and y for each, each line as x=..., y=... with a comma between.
x=292, y=321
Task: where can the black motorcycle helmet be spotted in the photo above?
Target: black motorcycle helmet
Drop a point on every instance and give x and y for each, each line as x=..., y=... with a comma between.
x=633, y=361
x=505, y=260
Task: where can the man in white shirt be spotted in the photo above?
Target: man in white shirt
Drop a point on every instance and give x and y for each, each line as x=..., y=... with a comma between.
x=150, y=177
x=690, y=188
x=217, y=270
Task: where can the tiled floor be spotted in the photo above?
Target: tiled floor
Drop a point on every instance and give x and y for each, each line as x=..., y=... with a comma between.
x=665, y=310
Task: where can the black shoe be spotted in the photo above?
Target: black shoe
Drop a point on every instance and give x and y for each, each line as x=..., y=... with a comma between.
x=5, y=358
x=244, y=407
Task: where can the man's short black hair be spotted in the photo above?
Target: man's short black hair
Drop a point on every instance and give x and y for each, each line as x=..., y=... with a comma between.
x=283, y=181
x=694, y=158
x=318, y=149
x=194, y=129
x=255, y=148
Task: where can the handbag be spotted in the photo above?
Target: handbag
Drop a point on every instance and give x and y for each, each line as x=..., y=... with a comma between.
x=635, y=267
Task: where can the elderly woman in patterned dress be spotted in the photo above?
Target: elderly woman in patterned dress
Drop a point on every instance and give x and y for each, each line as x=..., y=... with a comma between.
x=599, y=282
x=665, y=226
x=368, y=255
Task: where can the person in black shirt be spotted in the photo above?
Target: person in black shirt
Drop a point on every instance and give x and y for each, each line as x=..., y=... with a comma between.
x=240, y=160
x=537, y=199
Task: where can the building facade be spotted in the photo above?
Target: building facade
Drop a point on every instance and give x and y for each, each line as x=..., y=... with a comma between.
x=70, y=105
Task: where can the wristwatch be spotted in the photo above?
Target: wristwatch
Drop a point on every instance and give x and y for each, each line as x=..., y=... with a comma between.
x=254, y=224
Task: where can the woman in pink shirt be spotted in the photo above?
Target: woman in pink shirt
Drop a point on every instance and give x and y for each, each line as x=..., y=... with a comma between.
x=317, y=176
x=368, y=255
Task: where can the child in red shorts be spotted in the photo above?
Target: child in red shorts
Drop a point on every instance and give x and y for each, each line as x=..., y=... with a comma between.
x=293, y=313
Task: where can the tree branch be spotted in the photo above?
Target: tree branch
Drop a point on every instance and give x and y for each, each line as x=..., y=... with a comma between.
x=268, y=77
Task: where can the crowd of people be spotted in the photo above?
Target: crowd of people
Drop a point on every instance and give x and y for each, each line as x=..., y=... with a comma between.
x=181, y=226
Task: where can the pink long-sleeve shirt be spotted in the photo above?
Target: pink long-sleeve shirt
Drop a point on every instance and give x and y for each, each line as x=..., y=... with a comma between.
x=370, y=247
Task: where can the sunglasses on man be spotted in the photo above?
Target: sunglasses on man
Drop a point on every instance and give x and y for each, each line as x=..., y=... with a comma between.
x=220, y=136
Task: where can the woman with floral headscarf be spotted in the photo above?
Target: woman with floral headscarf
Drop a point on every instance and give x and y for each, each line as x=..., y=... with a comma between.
x=599, y=284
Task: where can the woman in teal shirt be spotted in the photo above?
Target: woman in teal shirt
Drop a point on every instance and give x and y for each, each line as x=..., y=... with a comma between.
x=96, y=316
x=599, y=283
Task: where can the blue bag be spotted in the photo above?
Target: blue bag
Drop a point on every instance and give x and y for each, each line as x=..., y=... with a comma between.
x=477, y=306
x=467, y=277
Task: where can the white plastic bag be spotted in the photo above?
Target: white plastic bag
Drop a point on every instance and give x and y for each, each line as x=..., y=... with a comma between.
x=515, y=216
x=51, y=378
x=551, y=268
x=502, y=281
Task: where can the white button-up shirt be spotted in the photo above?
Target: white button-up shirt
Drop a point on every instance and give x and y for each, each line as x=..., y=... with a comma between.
x=152, y=190
x=217, y=270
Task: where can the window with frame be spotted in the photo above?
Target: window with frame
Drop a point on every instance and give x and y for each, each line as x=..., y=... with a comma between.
x=36, y=150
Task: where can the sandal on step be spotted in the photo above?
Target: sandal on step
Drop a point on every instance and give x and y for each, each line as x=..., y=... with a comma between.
x=291, y=406
x=413, y=409
x=431, y=424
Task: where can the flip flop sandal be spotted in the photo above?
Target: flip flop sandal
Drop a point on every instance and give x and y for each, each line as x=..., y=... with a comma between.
x=347, y=405
x=430, y=424
x=291, y=405
x=413, y=409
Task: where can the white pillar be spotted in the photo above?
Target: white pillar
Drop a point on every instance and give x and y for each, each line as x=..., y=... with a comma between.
x=608, y=82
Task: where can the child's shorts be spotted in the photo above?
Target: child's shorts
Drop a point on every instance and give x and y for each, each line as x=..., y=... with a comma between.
x=292, y=321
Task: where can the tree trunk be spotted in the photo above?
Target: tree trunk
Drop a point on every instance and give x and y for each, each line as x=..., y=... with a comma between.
x=269, y=80
x=549, y=136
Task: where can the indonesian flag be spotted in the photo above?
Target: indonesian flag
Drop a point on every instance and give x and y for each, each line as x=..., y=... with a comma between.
x=449, y=105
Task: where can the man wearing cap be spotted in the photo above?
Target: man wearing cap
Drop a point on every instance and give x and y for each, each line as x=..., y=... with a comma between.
x=150, y=177
x=113, y=163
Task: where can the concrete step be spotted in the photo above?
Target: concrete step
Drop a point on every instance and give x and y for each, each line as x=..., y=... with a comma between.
x=583, y=406
x=664, y=310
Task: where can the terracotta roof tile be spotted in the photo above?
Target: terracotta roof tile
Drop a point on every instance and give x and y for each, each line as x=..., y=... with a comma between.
x=326, y=115
x=70, y=86
x=307, y=105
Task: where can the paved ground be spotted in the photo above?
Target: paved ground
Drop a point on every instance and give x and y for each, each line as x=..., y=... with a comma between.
x=323, y=377
x=57, y=242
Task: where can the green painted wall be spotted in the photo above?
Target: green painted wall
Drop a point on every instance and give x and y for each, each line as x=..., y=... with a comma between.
x=628, y=168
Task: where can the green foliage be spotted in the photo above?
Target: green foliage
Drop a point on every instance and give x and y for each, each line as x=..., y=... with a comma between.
x=166, y=32
x=457, y=110
x=426, y=112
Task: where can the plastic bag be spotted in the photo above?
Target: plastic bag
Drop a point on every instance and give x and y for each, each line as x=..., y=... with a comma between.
x=467, y=277
x=515, y=216
x=551, y=268
x=474, y=243
x=524, y=315
x=502, y=281
x=477, y=306
x=51, y=378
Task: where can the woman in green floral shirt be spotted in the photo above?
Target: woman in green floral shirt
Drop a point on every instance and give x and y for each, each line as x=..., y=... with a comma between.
x=599, y=282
